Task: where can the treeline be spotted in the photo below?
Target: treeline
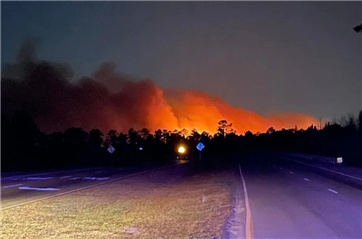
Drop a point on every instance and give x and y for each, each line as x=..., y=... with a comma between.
x=342, y=138
x=25, y=147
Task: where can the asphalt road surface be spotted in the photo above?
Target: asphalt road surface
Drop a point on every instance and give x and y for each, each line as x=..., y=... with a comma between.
x=290, y=201
x=19, y=189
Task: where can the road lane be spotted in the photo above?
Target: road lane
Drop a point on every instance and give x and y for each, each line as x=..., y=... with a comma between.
x=299, y=204
x=18, y=175
x=21, y=189
x=342, y=173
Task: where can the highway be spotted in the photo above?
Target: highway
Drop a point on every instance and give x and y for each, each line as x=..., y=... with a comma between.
x=278, y=198
x=289, y=201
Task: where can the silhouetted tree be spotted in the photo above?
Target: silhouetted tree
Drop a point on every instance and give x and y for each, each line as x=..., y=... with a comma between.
x=75, y=140
x=22, y=139
x=271, y=130
x=111, y=137
x=360, y=121
x=144, y=133
x=133, y=137
x=224, y=128
x=95, y=138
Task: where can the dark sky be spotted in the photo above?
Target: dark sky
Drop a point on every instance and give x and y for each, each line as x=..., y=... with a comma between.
x=264, y=56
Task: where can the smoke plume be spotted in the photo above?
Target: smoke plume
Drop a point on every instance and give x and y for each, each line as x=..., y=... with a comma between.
x=108, y=100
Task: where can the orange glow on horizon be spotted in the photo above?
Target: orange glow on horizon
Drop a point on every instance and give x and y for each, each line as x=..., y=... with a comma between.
x=154, y=108
x=198, y=110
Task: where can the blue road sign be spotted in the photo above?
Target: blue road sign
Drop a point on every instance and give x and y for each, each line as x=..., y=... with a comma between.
x=200, y=146
x=111, y=149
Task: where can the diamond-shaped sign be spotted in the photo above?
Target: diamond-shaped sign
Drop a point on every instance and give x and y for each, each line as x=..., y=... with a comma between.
x=111, y=149
x=200, y=146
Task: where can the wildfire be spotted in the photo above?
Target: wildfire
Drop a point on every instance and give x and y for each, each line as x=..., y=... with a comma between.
x=111, y=101
x=200, y=111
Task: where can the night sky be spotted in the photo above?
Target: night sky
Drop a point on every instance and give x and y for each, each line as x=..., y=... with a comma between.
x=268, y=57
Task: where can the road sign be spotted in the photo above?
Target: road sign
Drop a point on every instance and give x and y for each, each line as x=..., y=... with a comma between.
x=200, y=146
x=111, y=149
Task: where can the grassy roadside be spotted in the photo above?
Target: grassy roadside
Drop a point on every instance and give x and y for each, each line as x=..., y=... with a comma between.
x=166, y=204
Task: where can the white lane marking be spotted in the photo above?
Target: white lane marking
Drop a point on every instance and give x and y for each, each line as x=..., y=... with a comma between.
x=75, y=178
x=291, y=172
x=38, y=189
x=331, y=190
x=326, y=169
x=38, y=178
x=89, y=178
x=11, y=186
x=63, y=171
x=83, y=188
x=248, y=212
x=95, y=178
x=98, y=172
x=66, y=176
x=306, y=179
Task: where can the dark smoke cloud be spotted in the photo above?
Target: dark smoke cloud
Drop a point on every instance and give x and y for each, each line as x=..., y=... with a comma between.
x=106, y=101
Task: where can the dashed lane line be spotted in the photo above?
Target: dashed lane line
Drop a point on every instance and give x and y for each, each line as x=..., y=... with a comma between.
x=53, y=172
x=331, y=190
x=38, y=189
x=14, y=185
x=38, y=178
x=360, y=179
x=95, y=178
x=306, y=179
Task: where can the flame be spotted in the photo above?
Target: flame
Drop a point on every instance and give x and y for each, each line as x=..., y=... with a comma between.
x=200, y=111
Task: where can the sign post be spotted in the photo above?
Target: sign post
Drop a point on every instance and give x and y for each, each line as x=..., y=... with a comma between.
x=200, y=146
x=111, y=150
